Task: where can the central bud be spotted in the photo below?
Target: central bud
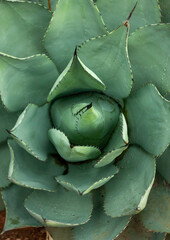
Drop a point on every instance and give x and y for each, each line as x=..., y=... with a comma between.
x=86, y=119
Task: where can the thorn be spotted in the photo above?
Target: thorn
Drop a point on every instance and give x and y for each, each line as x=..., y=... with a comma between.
x=131, y=12
x=75, y=51
x=8, y=131
x=49, y=5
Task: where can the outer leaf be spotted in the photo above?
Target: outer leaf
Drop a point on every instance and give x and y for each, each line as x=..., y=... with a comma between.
x=27, y=171
x=60, y=233
x=23, y=38
x=148, y=115
x=165, y=8
x=76, y=78
x=64, y=207
x=150, y=59
x=163, y=165
x=100, y=225
x=83, y=178
x=73, y=22
x=2, y=206
x=27, y=80
x=107, y=57
x=156, y=215
x=127, y=193
x=4, y=165
x=116, y=11
x=69, y=153
x=31, y=131
x=17, y=216
x=7, y=121
x=136, y=231
x=116, y=145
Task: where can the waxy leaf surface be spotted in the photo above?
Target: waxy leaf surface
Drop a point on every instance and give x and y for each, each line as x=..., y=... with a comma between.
x=22, y=26
x=127, y=192
x=107, y=57
x=73, y=22
x=148, y=115
x=114, y=12
x=27, y=171
x=31, y=131
x=17, y=216
x=64, y=208
x=150, y=60
x=24, y=81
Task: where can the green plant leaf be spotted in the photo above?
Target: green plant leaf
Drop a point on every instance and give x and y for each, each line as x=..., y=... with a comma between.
x=149, y=59
x=107, y=57
x=114, y=12
x=26, y=80
x=76, y=78
x=27, y=171
x=2, y=206
x=87, y=119
x=69, y=153
x=16, y=214
x=116, y=145
x=4, y=165
x=73, y=22
x=31, y=131
x=22, y=26
x=63, y=233
x=100, y=225
x=148, y=115
x=83, y=178
x=163, y=164
x=59, y=209
x=7, y=121
x=136, y=231
x=127, y=192
x=165, y=8
x=156, y=215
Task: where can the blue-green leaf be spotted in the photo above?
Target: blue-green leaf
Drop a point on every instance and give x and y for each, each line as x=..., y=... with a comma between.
x=136, y=231
x=31, y=131
x=59, y=209
x=116, y=145
x=73, y=22
x=165, y=9
x=63, y=233
x=76, y=78
x=26, y=80
x=107, y=57
x=83, y=178
x=150, y=60
x=27, y=171
x=22, y=26
x=100, y=225
x=128, y=191
x=156, y=215
x=7, y=121
x=163, y=164
x=4, y=165
x=114, y=12
x=69, y=153
x=17, y=216
x=148, y=115
x=2, y=206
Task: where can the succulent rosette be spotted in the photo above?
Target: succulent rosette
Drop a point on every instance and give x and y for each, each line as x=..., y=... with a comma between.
x=85, y=118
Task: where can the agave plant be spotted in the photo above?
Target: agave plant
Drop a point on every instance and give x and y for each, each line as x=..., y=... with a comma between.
x=85, y=118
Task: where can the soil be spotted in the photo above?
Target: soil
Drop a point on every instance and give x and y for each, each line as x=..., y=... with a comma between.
x=21, y=234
